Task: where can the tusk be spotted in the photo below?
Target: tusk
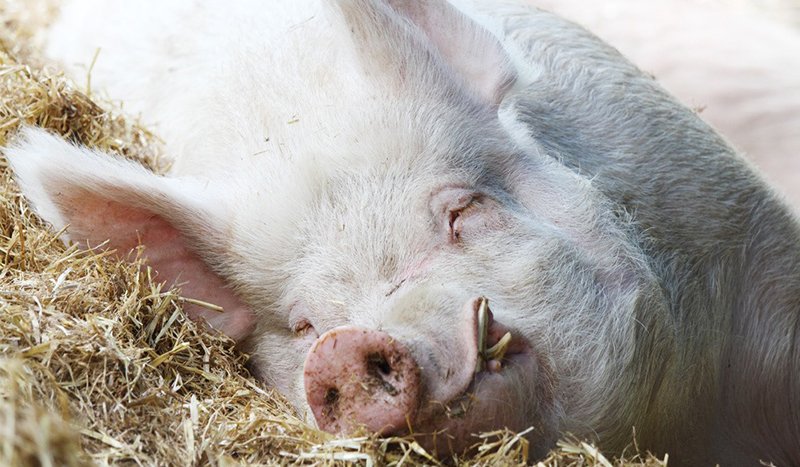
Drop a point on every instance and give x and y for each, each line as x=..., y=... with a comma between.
x=483, y=332
x=498, y=351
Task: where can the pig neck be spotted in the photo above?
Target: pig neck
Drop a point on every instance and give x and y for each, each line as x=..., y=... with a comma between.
x=727, y=253
x=725, y=248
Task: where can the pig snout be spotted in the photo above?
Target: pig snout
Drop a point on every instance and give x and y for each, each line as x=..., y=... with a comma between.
x=359, y=377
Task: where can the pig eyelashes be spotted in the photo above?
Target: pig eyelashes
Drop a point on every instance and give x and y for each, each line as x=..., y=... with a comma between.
x=303, y=328
x=458, y=214
x=463, y=213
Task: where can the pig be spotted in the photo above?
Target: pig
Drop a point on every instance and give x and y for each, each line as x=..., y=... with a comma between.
x=434, y=218
x=740, y=69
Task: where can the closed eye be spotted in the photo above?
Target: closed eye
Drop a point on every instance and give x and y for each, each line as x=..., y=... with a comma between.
x=457, y=214
x=303, y=328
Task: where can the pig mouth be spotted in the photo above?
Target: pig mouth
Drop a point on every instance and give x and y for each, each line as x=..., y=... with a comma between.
x=485, y=401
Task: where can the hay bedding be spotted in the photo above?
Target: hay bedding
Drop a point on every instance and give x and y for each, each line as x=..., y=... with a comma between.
x=99, y=365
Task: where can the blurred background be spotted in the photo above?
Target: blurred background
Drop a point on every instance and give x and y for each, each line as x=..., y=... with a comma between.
x=785, y=11
x=736, y=62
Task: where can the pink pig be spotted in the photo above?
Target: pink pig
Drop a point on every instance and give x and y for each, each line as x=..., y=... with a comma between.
x=354, y=179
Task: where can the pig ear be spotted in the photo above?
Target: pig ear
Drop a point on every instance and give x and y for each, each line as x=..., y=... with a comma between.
x=400, y=29
x=104, y=199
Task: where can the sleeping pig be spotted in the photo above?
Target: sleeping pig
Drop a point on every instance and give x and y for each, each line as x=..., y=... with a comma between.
x=443, y=218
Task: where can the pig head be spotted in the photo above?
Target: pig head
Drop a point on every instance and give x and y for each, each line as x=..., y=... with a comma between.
x=442, y=220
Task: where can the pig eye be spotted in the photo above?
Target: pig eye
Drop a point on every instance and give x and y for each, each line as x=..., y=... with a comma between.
x=455, y=230
x=303, y=328
x=465, y=214
x=458, y=214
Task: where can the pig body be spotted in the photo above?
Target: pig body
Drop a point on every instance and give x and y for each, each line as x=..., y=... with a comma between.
x=353, y=179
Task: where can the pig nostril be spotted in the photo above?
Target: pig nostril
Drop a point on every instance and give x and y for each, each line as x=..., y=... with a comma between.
x=331, y=396
x=379, y=368
x=331, y=399
x=376, y=362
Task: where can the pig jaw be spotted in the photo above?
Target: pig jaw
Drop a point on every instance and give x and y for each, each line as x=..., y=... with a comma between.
x=505, y=391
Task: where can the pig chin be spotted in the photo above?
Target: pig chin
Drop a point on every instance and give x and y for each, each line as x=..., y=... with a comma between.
x=492, y=401
x=359, y=378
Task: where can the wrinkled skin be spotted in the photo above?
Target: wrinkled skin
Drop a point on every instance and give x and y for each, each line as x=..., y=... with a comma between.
x=352, y=179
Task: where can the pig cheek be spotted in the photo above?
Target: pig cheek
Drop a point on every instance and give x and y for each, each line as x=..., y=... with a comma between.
x=301, y=346
x=277, y=360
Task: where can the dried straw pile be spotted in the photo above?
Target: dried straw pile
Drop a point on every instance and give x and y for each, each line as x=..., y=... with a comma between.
x=98, y=364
